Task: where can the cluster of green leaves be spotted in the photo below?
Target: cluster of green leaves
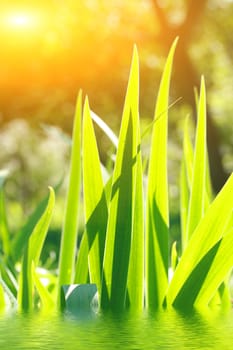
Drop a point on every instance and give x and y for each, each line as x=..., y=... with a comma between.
x=124, y=249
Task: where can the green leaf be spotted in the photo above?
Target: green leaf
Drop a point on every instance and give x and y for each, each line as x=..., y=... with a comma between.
x=119, y=230
x=6, y=294
x=197, y=196
x=174, y=256
x=2, y=299
x=4, y=231
x=96, y=210
x=157, y=217
x=48, y=303
x=21, y=239
x=186, y=177
x=136, y=264
x=32, y=254
x=9, y=278
x=39, y=233
x=24, y=297
x=106, y=129
x=81, y=269
x=202, y=245
x=185, y=182
x=209, y=190
x=70, y=225
x=220, y=268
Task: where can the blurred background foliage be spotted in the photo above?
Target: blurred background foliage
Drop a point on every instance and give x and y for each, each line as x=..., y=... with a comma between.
x=51, y=48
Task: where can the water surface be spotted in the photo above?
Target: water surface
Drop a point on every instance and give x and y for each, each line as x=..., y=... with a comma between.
x=163, y=330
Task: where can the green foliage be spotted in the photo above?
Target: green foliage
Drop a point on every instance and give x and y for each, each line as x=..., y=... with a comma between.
x=96, y=210
x=157, y=225
x=31, y=255
x=3, y=219
x=122, y=201
x=70, y=228
x=124, y=249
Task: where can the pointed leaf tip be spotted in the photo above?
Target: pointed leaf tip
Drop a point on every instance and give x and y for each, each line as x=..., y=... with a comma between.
x=203, y=83
x=177, y=38
x=135, y=50
x=86, y=102
x=135, y=58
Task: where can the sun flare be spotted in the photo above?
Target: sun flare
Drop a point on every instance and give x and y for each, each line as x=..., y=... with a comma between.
x=21, y=20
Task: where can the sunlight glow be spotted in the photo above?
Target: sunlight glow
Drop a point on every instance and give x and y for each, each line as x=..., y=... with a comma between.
x=19, y=20
x=22, y=20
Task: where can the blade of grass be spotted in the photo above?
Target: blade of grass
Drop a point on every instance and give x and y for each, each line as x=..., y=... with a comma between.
x=24, y=297
x=136, y=264
x=96, y=210
x=106, y=129
x=188, y=293
x=149, y=127
x=47, y=301
x=32, y=254
x=197, y=195
x=81, y=269
x=70, y=225
x=184, y=200
x=185, y=182
x=9, y=278
x=7, y=292
x=157, y=221
x=4, y=232
x=174, y=256
x=119, y=230
x=21, y=239
x=221, y=265
x=209, y=190
x=224, y=293
x=2, y=299
x=205, y=237
x=206, y=282
x=39, y=233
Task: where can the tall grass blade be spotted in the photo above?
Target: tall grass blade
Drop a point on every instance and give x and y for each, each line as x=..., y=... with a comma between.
x=136, y=266
x=6, y=294
x=2, y=299
x=96, y=210
x=70, y=225
x=220, y=268
x=185, y=182
x=198, y=188
x=24, y=297
x=157, y=217
x=39, y=233
x=32, y=254
x=106, y=129
x=20, y=241
x=4, y=231
x=186, y=177
x=184, y=200
x=203, y=244
x=209, y=191
x=119, y=230
x=81, y=269
x=46, y=298
x=9, y=278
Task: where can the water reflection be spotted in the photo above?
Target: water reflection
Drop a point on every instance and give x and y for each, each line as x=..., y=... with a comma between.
x=163, y=330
